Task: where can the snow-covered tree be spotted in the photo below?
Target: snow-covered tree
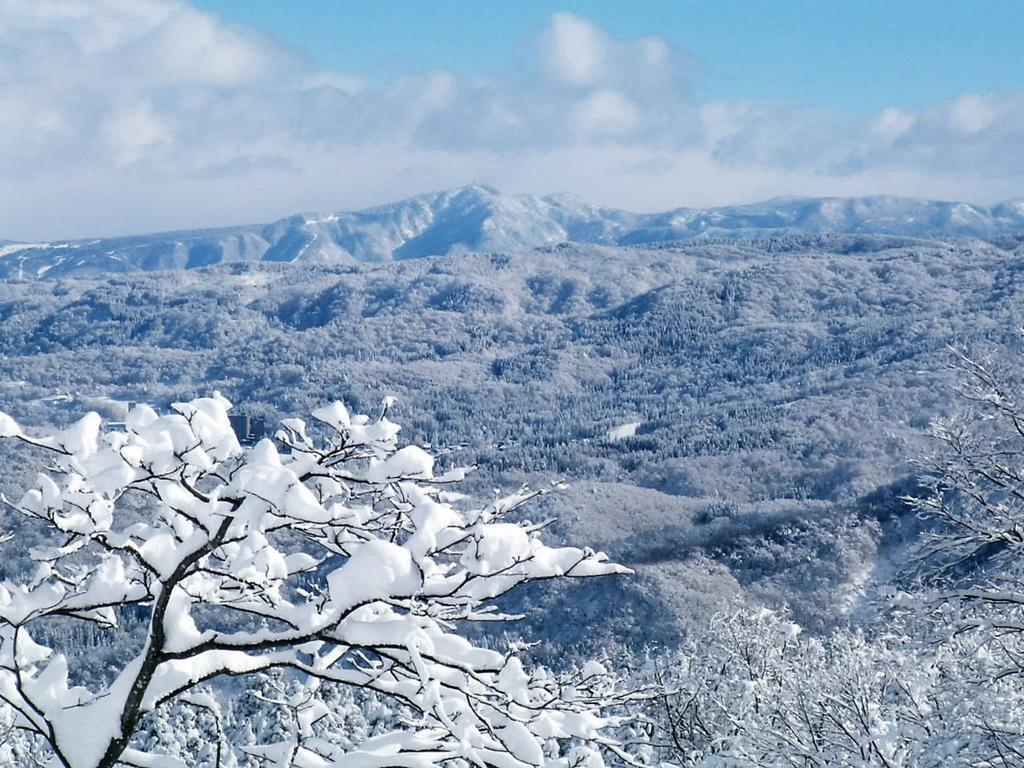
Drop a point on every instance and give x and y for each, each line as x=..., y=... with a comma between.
x=975, y=559
x=329, y=554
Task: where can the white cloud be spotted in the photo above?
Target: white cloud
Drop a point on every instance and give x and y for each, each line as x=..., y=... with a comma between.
x=891, y=124
x=605, y=113
x=134, y=132
x=129, y=43
x=972, y=113
x=83, y=81
x=103, y=102
x=573, y=50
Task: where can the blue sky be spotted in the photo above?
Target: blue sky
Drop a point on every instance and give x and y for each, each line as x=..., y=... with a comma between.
x=124, y=116
x=853, y=55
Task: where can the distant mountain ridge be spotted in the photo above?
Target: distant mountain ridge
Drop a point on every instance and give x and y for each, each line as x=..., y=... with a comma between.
x=477, y=218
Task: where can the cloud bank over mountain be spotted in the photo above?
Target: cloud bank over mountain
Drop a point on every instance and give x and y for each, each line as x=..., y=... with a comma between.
x=151, y=114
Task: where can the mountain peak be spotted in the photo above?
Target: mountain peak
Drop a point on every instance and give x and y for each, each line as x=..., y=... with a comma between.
x=480, y=218
x=476, y=190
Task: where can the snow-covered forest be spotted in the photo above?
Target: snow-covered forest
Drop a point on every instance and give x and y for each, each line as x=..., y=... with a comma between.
x=791, y=465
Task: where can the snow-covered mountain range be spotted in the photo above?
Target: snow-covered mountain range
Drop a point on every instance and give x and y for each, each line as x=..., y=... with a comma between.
x=479, y=218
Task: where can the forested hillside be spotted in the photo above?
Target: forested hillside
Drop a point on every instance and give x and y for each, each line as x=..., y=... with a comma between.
x=730, y=417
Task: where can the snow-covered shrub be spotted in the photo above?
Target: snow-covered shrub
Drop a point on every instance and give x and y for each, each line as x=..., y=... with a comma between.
x=754, y=691
x=328, y=555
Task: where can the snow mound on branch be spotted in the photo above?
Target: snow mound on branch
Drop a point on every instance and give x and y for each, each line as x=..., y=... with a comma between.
x=376, y=570
x=411, y=462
